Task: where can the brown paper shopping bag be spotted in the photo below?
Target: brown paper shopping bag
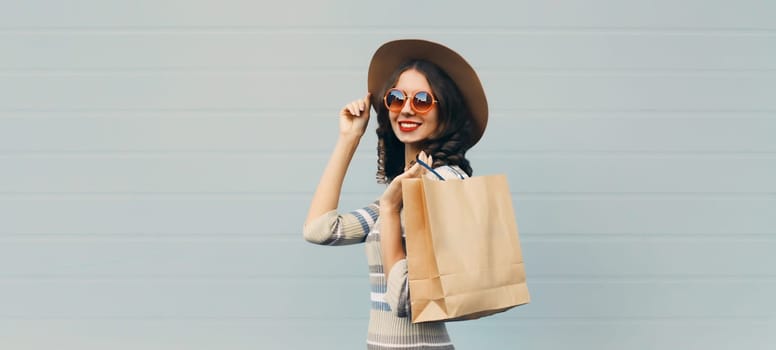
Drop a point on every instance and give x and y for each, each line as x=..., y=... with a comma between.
x=463, y=251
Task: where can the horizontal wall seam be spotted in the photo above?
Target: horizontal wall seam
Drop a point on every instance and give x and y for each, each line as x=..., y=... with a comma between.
x=535, y=279
x=274, y=153
x=296, y=237
x=391, y=30
x=246, y=195
x=360, y=320
x=227, y=117
x=764, y=112
x=539, y=71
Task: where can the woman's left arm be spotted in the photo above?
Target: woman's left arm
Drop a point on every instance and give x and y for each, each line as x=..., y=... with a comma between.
x=392, y=245
x=390, y=221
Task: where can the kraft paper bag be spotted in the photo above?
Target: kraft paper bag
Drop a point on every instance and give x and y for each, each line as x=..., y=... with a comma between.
x=463, y=251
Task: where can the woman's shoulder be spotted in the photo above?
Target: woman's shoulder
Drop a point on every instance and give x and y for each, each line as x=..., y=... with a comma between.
x=448, y=172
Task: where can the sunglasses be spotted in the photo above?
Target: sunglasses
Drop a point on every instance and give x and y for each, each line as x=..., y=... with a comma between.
x=420, y=102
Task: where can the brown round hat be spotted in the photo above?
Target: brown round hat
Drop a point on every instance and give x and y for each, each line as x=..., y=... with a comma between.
x=392, y=54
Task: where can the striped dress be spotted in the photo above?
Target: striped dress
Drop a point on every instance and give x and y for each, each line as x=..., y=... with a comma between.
x=389, y=318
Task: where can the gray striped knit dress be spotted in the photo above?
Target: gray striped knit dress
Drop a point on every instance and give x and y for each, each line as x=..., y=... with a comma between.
x=389, y=318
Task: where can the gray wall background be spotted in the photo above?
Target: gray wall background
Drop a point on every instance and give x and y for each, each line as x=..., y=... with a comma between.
x=157, y=159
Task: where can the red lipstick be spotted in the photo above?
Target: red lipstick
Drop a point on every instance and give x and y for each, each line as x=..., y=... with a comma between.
x=406, y=126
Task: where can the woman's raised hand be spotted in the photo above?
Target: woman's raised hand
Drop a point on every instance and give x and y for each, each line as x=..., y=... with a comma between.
x=354, y=117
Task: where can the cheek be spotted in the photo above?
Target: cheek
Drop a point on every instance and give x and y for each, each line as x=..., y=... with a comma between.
x=433, y=121
x=436, y=127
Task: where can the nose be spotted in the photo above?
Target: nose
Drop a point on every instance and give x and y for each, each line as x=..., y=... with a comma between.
x=407, y=108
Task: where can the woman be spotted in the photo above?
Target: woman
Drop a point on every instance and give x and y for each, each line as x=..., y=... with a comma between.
x=431, y=106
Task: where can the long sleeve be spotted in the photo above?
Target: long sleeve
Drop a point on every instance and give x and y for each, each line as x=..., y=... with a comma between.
x=333, y=228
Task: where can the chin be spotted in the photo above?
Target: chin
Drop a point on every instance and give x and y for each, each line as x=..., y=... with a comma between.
x=410, y=139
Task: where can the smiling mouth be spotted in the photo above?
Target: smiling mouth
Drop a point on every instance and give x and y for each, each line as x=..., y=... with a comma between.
x=408, y=126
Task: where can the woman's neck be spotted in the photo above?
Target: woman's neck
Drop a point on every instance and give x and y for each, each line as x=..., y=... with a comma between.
x=410, y=152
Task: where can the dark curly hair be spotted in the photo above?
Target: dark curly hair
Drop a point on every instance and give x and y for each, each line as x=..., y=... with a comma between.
x=449, y=143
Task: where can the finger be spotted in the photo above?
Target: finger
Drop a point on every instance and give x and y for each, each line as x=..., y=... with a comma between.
x=427, y=159
x=415, y=170
x=346, y=111
x=422, y=157
x=408, y=171
x=365, y=105
x=368, y=100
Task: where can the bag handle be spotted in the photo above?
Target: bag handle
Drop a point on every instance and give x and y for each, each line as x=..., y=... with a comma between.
x=423, y=164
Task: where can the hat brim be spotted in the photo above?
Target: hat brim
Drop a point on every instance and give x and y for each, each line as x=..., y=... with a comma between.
x=392, y=54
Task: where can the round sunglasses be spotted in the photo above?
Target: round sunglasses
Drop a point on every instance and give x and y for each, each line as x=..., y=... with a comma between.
x=420, y=101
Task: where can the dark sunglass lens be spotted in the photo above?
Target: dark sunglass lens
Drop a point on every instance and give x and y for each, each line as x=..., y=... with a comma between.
x=394, y=99
x=423, y=101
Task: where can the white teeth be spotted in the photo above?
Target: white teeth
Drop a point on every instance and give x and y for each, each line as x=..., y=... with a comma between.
x=408, y=125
